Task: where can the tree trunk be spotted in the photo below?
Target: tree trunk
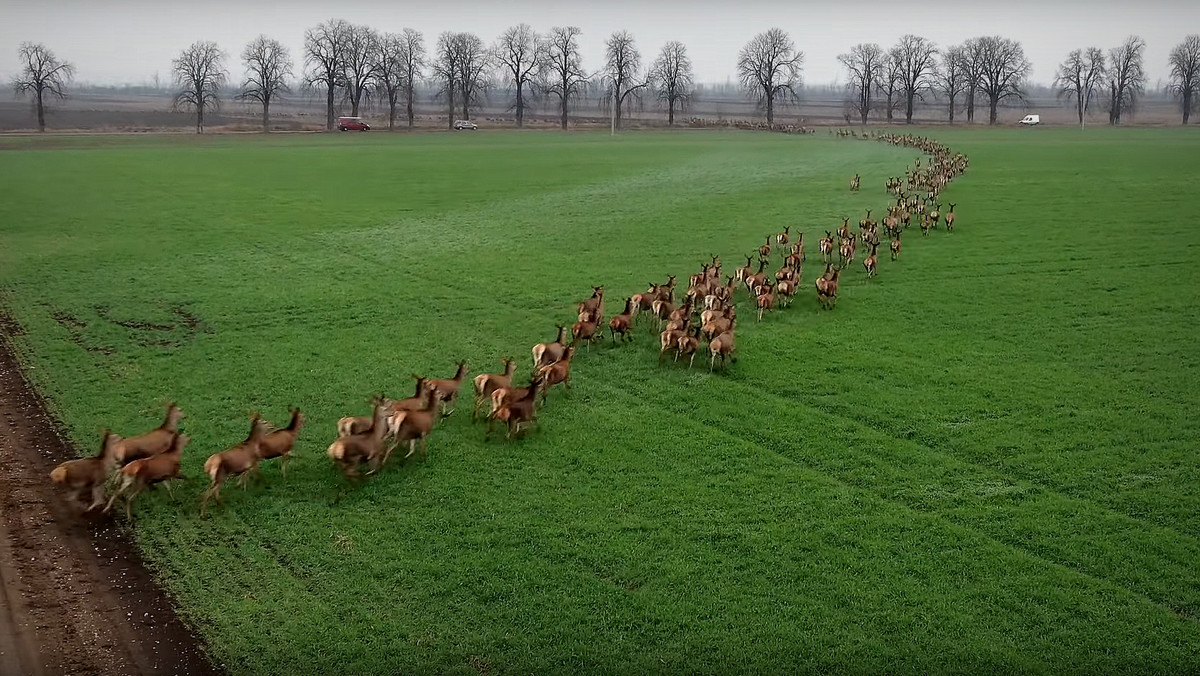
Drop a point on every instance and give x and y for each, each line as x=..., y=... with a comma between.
x=671, y=112
x=408, y=104
x=770, y=109
x=1079, y=105
x=889, y=107
x=993, y=101
x=863, y=113
x=1187, y=106
x=520, y=105
x=354, y=100
x=971, y=106
x=617, y=111
x=450, y=114
x=329, y=107
x=200, y=117
x=909, y=108
x=392, y=112
x=952, y=109
x=564, y=111
x=41, y=113
x=266, y=116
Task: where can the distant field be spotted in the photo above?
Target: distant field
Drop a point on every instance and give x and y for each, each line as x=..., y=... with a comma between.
x=982, y=461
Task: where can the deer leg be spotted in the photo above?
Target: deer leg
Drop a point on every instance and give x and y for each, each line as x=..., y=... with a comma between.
x=424, y=447
x=283, y=463
x=97, y=497
x=412, y=448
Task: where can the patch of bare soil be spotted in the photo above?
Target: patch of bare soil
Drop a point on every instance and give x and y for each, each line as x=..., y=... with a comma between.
x=75, y=597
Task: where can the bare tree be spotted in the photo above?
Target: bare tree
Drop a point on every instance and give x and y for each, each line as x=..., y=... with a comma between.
x=972, y=73
x=199, y=75
x=474, y=61
x=1003, y=69
x=324, y=56
x=41, y=74
x=519, y=57
x=268, y=66
x=769, y=67
x=622, y=71
x=889, y=82
x=1185, y=72
x=671, y=77
x=445, y=69
x=563, y=74
x=360, y=59
x=389, y=72
x=918, y=61
x=865, y=63
x=1079, y=77
x=412, y=62
x=951, y=77
x=1126, y=77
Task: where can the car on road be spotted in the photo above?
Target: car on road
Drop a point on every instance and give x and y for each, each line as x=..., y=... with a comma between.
x=1030, y=120
x=460, y=125
x=352, y=124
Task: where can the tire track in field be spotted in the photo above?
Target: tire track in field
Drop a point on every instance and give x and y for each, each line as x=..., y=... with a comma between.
x=749, y=394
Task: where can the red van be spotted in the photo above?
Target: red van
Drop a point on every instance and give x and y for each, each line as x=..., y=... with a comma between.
x=352, y=124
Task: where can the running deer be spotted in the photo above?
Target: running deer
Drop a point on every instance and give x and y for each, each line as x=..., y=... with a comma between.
x=688, y=344
x=643, y=301
x=826, y=246
x=236, y=461
x=88, y=475
x=414, y=426
x=766, y=300
x=279, y=443
x=447, y=388
x=855, y=183
x=558, y=372
x=594, y=306
x=935, y=215
x=722, y=346
x=871, y=261
x=784, y=237
x=346, y=452
x=745, y=271
x=764, y=251
x=827, y=287
x=950, y=218
x=141, y=474
x=622, y=323
x=518, y=412
x=583, y=330
x=486, y=383
x=545, y=354
x=896, y=247
x=151, y=443
x=668, y=340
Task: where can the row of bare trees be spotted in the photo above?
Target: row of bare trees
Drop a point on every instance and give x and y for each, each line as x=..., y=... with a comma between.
x=351, y=64
x=991, y=67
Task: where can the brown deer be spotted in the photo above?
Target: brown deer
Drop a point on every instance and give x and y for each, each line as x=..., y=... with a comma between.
x=786, y=290
x=236, y=461
x=950, y=218
x=827, y=287
x=720, y=324
x=346, y=452
x=151, y=443
x=545, y=354
x=935, y=214
x=414, y=426
x=846, y=251
x=764, y=251
x=826, y=246
x=622, y=323
x=896, y=247
x=722, y=346
x=517, y=412
x=279, y=443
x=766, y=300
x=486, y=383
x=643, y=301
x=844, y=231
x=855, y=183
x=140, y=474
x=871, y=261
x=668, y=340
x=745, y=271
x=447, y=388
x=87, y=475
x=585, y=331
x=688, y=344
x=558, y=372
x=784, y=237
x=593, y=306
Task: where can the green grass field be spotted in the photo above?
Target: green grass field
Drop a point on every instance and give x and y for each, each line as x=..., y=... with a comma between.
x=982, y=461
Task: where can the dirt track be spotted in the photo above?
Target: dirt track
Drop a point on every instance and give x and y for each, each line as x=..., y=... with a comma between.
x=75, y=597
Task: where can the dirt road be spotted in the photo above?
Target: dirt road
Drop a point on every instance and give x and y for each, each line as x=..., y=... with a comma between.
x=74, y=595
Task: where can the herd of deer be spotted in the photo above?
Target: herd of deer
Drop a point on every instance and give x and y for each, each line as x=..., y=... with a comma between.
x=707, y=316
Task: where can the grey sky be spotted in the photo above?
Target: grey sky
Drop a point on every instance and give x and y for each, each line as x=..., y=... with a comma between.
x=128, y=41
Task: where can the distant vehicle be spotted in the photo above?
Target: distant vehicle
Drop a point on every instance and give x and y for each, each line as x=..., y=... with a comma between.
x=459, y=125
x=1031, y=120
x=352, y=124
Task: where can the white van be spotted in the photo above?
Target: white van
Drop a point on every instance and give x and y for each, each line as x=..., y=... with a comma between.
x=1030, y=120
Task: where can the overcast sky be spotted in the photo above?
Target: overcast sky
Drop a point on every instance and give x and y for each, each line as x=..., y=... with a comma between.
x=128, y=41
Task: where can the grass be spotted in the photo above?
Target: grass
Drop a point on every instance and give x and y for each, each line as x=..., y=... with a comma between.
x=982, y=461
